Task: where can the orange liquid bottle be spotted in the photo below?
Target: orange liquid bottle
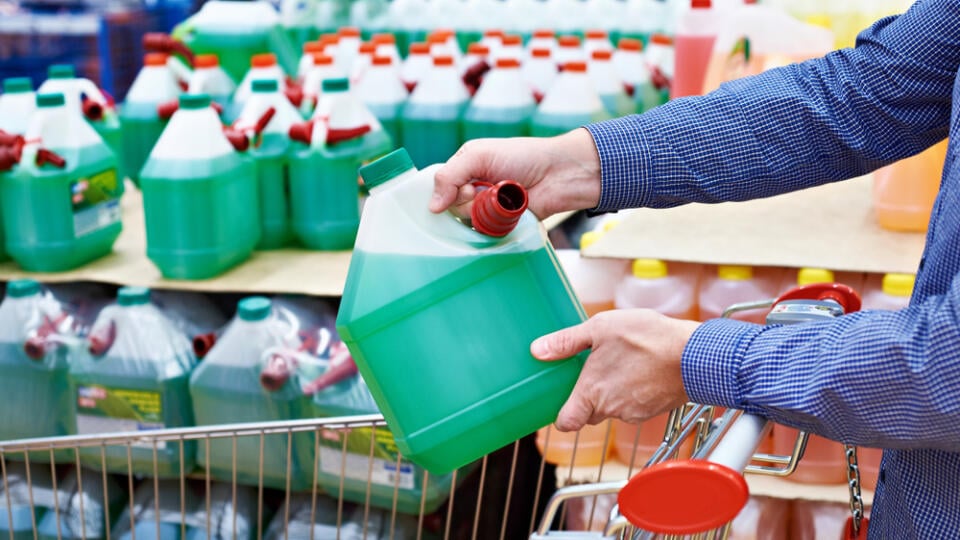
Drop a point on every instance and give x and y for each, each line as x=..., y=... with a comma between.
x=903, y=193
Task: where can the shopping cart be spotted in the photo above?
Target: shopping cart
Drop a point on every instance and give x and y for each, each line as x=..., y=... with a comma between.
x=667, y=496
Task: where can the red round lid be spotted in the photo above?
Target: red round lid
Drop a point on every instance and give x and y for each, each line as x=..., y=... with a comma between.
x=683, y=497
x=320, y=59
x=382, y=60
x=436, y=38
x=508, y=63
x=596, y=34
x=512, y=39
x=419, y=48
x=540, y=52
x=205, y=61
x=700, y=4
x=368, y=48
x=630, y=44
x=443, y=60
x=329, y=39
x=569, y=41
x=493, y=32
x=155, y=59
x=478, y=49
x=349, y=31
x=383, y=39
x=543, y=33
x=661, y=39
x=313, y=46
x=575, y=67
x=602, y=55
x=263, y=60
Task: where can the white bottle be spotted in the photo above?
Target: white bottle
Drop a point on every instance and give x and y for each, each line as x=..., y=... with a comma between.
x=476, y=54
x=630, y=64
x=384, y=94
x=609, y=85
x=492, y=39
x=62, y=79
x=209, y=78
x=650, y=285
x=512, y=48
x=266, y=94
x=17, y=104
x=194, y=133
x=348, y=48
x=155, y=83
x=362, y=62
x=417, y=64
x=732, y=285
x=387, y=46
x=306, y=59
x=540, y=72
x=597, y=40
x=340, y=109
x=594, y=280
x=572, y=101
x=262, y=66
x=890, y=291
x=660, y=55
x=542, y=39
x=324, y=67
x=569, y=50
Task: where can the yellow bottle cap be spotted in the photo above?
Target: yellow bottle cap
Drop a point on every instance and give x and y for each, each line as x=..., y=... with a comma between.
x=588, y=238
x=898, y=284
x=734, y=273
x=809, y=276
x=649, y=268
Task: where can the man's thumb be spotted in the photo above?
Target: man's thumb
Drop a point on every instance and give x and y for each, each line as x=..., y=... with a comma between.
x=562, y=344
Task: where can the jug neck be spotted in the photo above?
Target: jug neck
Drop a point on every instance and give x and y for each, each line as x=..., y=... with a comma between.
x=503, y=87
x=572, y=93
x=441, y=86
x=192, y=134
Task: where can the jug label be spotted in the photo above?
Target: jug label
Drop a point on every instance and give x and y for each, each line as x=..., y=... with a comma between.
x=109, y=410
x=96, y=202
x=356, y=463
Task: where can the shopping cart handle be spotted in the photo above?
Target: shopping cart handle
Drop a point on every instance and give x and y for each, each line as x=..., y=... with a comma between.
x=683, y=497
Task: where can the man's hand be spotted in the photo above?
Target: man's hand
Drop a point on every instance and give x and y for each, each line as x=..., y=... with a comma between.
x=633, y=372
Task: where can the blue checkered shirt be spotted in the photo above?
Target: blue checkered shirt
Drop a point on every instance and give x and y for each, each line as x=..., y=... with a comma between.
x=882, y=379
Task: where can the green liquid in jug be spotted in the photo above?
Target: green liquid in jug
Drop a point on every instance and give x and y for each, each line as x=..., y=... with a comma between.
x=141, y=130
x=508, y=122
x=273, y=179
x=462, y=393
x=551, y=124
x=431, y=133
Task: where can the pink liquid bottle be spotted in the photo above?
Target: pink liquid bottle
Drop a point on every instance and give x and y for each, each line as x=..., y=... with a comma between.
x=652, y=284
x=696, y=33
x=732, y=285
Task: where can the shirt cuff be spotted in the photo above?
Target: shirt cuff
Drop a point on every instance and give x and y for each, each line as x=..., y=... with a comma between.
x=624, y=163
x=711, y=361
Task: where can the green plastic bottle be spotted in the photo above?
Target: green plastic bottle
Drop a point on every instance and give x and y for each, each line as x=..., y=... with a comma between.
x=571, y=102
x=227, y=388
x=384, y=94
x=502, y=106
x=84, y=95
x=35, y=384
x=341, y=391
x=272, y=153
x=431, y=128
x=484, y=297
x=61, y=203
x=236, y=31
x=342, y=135
x=140, y=122
x=134, y=376
x=200, y=196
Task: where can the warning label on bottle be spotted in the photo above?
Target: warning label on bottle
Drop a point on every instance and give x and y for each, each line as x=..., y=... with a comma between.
x=110, y=410
x=96, y=202
x=357, y=464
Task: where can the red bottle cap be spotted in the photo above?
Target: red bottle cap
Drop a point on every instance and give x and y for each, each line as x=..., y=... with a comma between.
x=478, y=49
x=569, y=41
x=313, y=47
x=383, y=39
x=35, y=348
x=238, y=140
x=329, y=39
x=512, y=40
x=263, y=60
x=206, y=61
x=155, y=59
x=630, y=44
x=382, y=60
x=543, y=33
x=497, y=209
x=661, y=39
x=508, y=63
x=575, y=67
x=9, y=157
x=492, y=33
x=602, y=55
x=302, y=132
x=203, y=343
x=275, y=374
x=436, y=38
x=419, y=48
x=700, y=4
x=368, y=48
x=444, y=60
x=320, y=59
x=540, y=53
x=596, y=34
x=349, y=31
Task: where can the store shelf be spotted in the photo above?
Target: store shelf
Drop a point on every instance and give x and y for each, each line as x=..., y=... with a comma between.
x=759, y=485
x=297, y=271
x=830, y=226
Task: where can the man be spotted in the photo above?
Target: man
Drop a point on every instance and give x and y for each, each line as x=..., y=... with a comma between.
x=884, y=379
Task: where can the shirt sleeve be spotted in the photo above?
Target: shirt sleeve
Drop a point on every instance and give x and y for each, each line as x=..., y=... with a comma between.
x=794, y=127
x=888, y=379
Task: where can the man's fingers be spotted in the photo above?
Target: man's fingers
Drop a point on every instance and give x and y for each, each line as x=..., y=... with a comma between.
x=575, y=413
x=461, y=169
x=563, y=344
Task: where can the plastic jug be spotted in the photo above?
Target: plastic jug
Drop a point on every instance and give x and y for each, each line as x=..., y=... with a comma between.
x=636, y=443
x=362, y=62
x=511, y=47
x=732, y=285
x=540, y=72
x=431, y=127
x=475, y=66
x=569, y=50
x=904, y=192
x=696, y=34
x=651, y=286
x=303, y=517
x=502, y=106
x=325, y=196
x=763, y=518
x=660, y=59
x=629, y=63
x=84, y=96
x=236, y=31
x=324, y=68
x=61, y=203
x=340, y=391
x=17, y=105
x=227, y=387
x=384, y=94
x=200, y=196
x=306, y=59
x=607, y=81
x=348, y=48
x=263, y=67
x=597, y=40
x=587, y=447
x=412, y=269
x=134, y=377
x=140, y=121
x=492, y=39
x=543, y=38
x=35, y=385
x=87, y=504
x=571, y=102
x=594, y=280
x=210, y=79
x=387, y=46
x=417, y=64
x=27, y=497
x=272, y=154
x=889, y=291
